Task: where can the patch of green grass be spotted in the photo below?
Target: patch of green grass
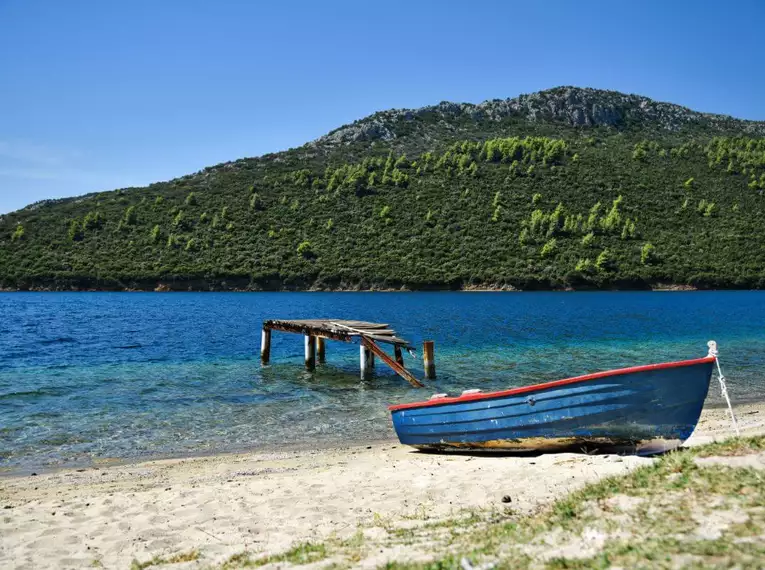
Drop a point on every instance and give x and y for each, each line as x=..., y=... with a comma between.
x=732, y=446
x=666, y=552
x=301, y=553
x=446, y=563
x=189, y=556
x=677, y=493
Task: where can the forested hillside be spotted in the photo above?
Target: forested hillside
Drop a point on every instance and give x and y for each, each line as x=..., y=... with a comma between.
x=564, y=188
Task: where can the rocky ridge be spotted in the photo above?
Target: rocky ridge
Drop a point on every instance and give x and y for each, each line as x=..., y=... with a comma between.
x=573, y=106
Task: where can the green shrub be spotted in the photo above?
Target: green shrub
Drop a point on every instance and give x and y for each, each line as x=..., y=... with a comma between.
x=304, y=249
x=614, y=218
x=647, y=254
x=180, y=222
x=604, y=262
x=584, y=265
x=92, y=221
x=131, y=217
x=549, y=248
x=76, y=232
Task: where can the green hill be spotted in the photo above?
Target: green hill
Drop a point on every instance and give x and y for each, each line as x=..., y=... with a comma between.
x=563, y=188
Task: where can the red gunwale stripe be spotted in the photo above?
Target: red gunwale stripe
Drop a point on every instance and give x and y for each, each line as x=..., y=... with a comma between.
x=553, y=384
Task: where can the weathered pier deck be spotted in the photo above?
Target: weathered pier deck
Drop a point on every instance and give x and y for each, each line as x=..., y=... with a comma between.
x=316, y=331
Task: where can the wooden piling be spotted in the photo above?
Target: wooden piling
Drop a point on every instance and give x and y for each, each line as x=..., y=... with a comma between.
x=399, y=355
x=400, y=370
x=365, y=362
x=321, y=349
x=428, y=359
x=310, y=352
x=265, y=346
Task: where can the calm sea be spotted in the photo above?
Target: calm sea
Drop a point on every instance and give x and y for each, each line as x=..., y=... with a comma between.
x=96, y=376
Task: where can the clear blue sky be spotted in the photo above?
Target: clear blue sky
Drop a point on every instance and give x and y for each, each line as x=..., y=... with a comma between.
x=96, y=95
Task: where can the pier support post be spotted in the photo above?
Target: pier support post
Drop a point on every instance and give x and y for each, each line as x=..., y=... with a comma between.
x=428, y=359
x=310, y=352
x=321, y=349
x=365, y=362
x=265, y=346
x=399, y=355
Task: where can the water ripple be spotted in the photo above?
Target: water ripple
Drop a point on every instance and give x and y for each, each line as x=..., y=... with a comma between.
x=135, y=375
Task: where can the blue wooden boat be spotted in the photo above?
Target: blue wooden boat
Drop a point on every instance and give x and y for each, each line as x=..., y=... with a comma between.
x=643, y=409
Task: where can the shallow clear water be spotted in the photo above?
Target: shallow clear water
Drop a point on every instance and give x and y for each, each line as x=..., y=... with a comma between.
x=92, y=376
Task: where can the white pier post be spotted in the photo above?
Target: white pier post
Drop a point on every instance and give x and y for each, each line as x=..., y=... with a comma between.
x=310, y=352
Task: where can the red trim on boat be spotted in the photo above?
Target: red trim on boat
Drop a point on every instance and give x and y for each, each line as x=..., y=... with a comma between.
x=553, y=384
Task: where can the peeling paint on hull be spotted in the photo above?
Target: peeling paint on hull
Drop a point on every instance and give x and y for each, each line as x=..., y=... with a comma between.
x=641, y=410
x=559, y=444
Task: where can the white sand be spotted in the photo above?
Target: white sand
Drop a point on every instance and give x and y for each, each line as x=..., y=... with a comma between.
x=227, y=504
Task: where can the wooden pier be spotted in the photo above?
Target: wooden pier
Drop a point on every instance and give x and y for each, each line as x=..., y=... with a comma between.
x=369, y=335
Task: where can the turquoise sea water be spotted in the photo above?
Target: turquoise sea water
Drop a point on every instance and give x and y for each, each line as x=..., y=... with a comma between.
x=95, y=376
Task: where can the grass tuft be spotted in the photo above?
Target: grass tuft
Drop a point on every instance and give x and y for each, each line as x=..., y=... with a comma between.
x=189, y=556
x=732, y=447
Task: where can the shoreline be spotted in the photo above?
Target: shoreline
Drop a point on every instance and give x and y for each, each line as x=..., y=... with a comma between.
x=274, y=450
x=266, y=502
x=12, y=472
x=658, y=289
x=245, y=286
x=266, y=450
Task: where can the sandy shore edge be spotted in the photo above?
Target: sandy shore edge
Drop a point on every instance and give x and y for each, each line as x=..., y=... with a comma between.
x=266, y=502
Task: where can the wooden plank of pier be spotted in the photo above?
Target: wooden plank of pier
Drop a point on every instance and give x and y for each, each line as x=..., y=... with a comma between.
x=370, y=334
x=341, y=330
x=397, y=368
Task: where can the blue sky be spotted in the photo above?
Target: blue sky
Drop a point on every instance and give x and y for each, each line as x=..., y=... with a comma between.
x=97, y=95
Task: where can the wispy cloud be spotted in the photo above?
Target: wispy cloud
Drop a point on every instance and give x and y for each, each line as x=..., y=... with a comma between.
x=31, y=172
x=62, y=174
x=24, y=160
x=31, y=153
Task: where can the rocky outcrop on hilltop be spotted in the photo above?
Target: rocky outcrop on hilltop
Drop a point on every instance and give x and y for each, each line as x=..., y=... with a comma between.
x=572, y=106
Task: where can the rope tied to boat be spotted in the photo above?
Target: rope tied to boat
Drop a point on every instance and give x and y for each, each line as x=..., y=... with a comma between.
x=723, y=386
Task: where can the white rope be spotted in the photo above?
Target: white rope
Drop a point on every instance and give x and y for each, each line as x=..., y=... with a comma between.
x=723, y=387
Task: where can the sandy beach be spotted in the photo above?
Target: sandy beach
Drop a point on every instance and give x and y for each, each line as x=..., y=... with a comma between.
x=266, y=502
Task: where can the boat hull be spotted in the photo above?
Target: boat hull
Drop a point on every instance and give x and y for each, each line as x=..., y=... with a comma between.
x=645, y=409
